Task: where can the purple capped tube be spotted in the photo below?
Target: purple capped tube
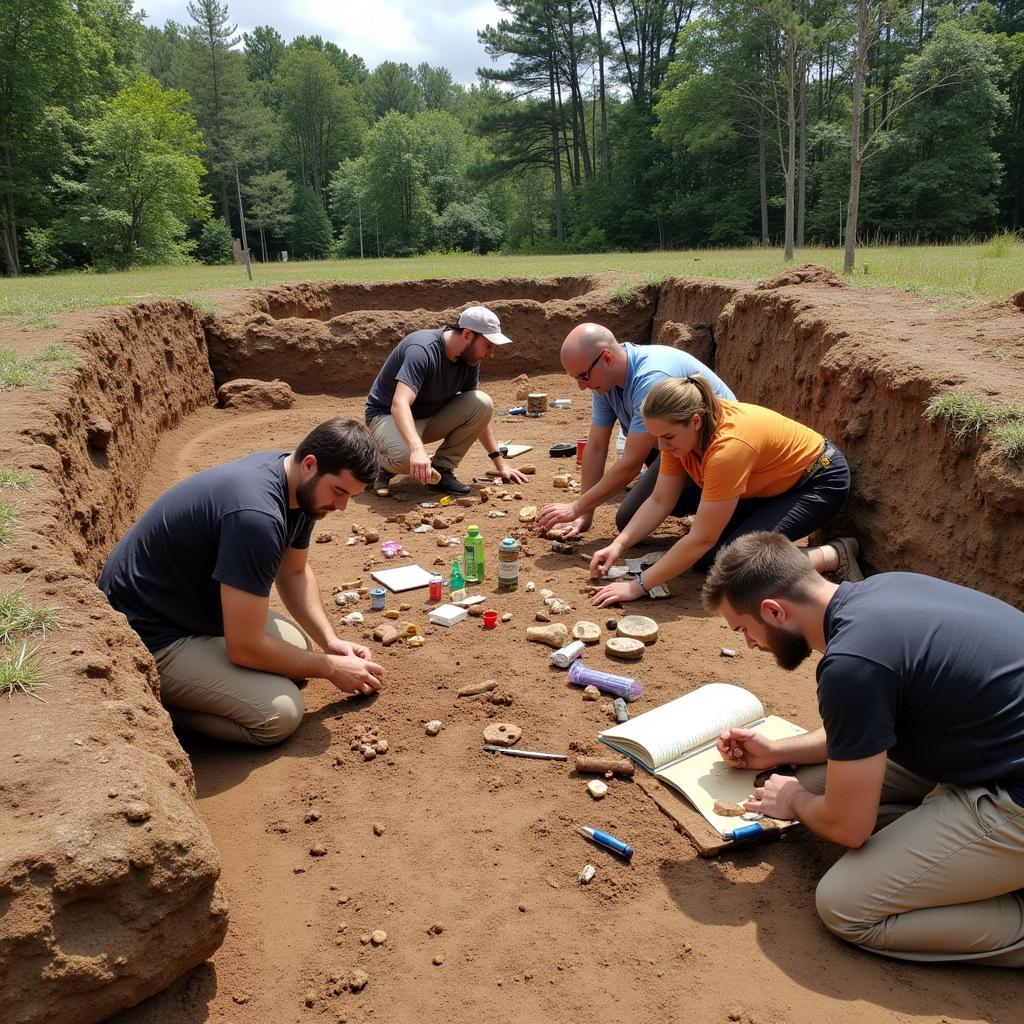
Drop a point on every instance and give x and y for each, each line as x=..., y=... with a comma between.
x=607, y=682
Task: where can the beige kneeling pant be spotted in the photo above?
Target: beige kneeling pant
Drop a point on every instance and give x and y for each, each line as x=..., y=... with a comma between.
x=942, y=882
x=457, y=426
x=205, y=691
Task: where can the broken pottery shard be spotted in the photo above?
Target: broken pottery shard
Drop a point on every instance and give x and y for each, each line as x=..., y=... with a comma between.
x=502, y=734
x=638, y=627
x=528, y=514
x=528, y=470
x=561, y=481
x=587, y=874
x=387, y=635
x=624, y=648
x=555, y=635
x=728, y=810
x=588, y=632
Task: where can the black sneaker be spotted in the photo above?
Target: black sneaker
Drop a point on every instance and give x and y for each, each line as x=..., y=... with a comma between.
x=449, y=483
x=382, y=485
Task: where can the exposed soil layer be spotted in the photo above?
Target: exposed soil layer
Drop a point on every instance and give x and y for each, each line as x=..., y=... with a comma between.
x=98, y=911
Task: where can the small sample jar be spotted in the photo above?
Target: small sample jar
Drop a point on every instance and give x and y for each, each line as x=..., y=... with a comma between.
x=436, y=587
x=490, y=619
x=377, y=596
x=508, y=564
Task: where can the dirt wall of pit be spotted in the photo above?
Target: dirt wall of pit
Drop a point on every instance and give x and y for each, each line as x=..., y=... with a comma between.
x=108, y=878
x=860, y=366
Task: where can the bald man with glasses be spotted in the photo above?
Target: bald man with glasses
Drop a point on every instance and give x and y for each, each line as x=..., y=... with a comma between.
x=619, y=375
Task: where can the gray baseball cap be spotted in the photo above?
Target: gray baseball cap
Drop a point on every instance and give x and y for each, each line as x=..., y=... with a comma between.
x=483, y=321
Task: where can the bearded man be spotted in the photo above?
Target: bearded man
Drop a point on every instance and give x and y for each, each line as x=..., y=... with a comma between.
x=193, y=577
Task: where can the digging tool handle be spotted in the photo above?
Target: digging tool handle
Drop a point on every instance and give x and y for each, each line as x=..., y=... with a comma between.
x=600, y=765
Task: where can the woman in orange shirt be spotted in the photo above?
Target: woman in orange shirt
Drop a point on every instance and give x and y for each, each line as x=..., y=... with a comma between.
x=756, y=470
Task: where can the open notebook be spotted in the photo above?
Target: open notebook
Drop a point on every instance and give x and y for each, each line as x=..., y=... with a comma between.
x=676, y=743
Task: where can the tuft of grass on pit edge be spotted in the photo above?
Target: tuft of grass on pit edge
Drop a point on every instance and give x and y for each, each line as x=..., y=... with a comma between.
x=18, y=617
x=1009, y=439
x=19, y=671
x=965, y=415
x=13, y=480
x=9, y=515
x=34, y=371
x=623, y=291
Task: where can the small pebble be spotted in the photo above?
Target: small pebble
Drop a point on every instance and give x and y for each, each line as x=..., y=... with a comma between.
x=357, y=980
x=378, y=937
x=591, y=693
x=436, y=928
x=597, y=789
x=310, y=998
x=612, y=624
x=438, y=960
x=530, y=587
x=727, y=652
x=434, y=727
x=318, y=851
x=369, y=753
x=506, y=616
x=241, y=998
x=137, y=810
x=542, y=617
x=364, y=939
x=378, y=828
x=311, y=817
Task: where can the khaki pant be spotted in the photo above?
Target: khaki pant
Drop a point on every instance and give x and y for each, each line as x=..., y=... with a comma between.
x=203, y=690
x=941, y=882
x=456, y=426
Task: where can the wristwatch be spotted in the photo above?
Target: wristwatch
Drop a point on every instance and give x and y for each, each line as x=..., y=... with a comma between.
x=639, y=577
x=494, y=455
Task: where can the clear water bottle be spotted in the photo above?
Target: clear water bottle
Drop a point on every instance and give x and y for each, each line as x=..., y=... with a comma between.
x=620, y=444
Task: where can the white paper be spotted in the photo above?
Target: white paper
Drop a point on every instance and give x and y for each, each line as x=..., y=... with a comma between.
x=402, y=578
x=446, y=615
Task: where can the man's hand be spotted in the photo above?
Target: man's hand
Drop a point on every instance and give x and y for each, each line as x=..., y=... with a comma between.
x=508, y=473
x=618, y=593
x=579, y=525
x=775, y=798
x=552, y=515
x=345, y=648
x=604, y=559
x=352, y=673
x=419, y=465
x=746, y=748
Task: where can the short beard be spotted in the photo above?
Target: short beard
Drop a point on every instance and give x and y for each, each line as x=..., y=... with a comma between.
x=304, y=497
x=790, y=649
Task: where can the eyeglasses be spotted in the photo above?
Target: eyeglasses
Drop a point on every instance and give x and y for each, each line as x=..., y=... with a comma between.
x=584, y=377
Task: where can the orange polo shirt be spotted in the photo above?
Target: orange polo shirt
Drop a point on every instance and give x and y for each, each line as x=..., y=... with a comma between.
x=754, y=453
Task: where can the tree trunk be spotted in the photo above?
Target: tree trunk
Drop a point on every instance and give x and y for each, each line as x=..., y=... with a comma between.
x=791, y=146
x=801, y=199
x=762, y=175
x=856, y=158
x=9, y=223
x=556, y=154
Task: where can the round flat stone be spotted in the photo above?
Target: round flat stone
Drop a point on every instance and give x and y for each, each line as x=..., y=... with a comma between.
x=588, y=632
x=638, y=627
x=503, y=734
x=625, y=648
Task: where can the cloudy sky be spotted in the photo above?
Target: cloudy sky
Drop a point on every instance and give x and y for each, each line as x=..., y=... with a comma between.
x=377, y=30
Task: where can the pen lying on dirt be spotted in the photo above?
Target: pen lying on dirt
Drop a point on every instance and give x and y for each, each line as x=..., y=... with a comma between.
x=536, y=754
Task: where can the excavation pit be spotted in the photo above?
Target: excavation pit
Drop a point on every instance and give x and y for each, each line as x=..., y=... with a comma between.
x=99, y=911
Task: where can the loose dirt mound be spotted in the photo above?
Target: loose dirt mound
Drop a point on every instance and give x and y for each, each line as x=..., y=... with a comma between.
x=809, y=273
x=246, y=393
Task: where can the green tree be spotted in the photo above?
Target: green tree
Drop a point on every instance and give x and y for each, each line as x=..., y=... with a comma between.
x=392, y=86
x=143, y=181
x=320, y=117
x=310, y=230
x=442, y=151
x=271, y=199
x=468, y=227
x=216, y=244
x=264, y=51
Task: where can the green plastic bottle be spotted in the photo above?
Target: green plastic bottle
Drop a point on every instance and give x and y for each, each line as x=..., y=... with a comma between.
x=473, y=556
x=456, y=581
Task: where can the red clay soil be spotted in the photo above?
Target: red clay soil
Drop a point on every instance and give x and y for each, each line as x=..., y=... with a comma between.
x=482, y=845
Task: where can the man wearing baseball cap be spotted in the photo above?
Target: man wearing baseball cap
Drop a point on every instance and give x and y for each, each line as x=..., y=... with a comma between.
x=428, y=390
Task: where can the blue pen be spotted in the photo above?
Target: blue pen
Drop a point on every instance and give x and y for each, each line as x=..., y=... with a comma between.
x=607, y=841
x=746, y=832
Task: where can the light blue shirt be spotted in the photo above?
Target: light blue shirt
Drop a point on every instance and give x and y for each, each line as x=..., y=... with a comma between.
x=646, y=365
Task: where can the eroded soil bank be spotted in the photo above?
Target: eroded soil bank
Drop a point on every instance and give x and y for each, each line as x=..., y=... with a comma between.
x=97, y=911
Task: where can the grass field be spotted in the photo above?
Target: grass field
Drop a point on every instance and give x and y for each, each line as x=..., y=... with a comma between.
x=990, y=270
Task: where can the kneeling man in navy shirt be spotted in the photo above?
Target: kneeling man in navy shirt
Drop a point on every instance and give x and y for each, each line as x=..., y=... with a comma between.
x=193, y=577
x=919, y=766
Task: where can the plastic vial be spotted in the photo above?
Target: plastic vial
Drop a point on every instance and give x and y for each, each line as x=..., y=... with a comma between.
x=473, y=556
x=457, y=580
x=508, y=564
x=606, y=682
x=620, y=444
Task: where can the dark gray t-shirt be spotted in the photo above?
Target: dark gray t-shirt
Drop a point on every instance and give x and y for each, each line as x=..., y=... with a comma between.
x=419, y=361
x=230, y=524
x=929, y=671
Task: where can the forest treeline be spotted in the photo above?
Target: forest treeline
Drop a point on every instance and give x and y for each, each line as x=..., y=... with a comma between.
x=598, y=124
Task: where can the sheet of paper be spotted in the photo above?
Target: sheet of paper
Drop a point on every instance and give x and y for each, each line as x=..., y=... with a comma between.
x=705, y=777
x=402, y=578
